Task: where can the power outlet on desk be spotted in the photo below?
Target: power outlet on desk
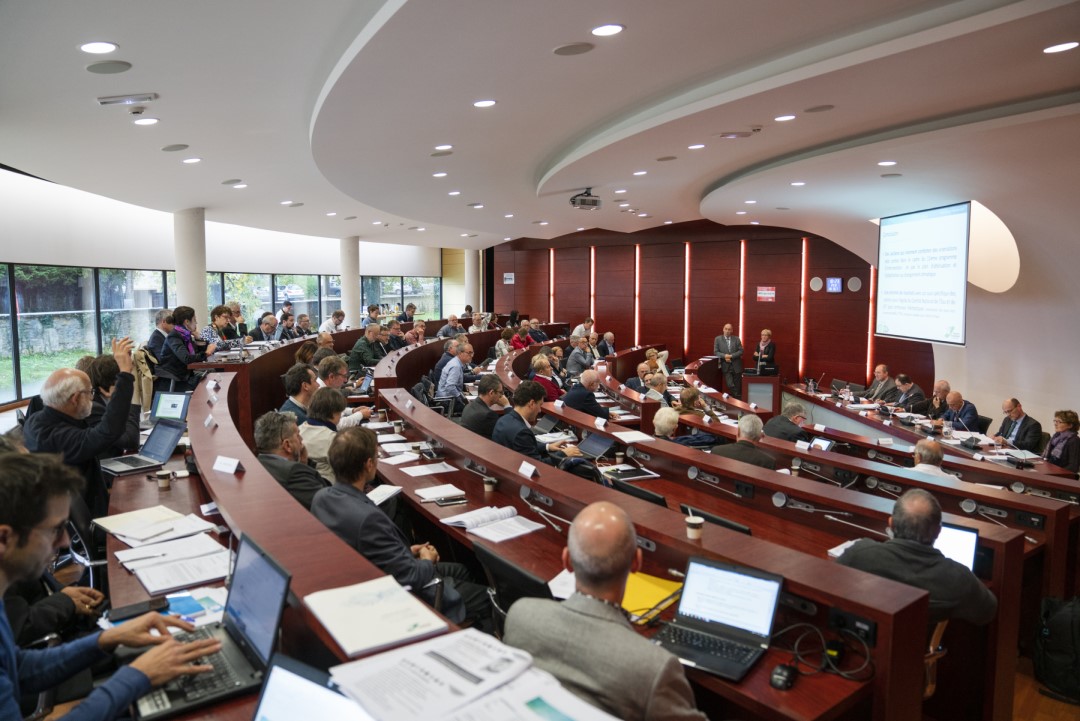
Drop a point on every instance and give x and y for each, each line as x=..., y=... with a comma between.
x=645, y=544
x=840, y=620
x=746, y=490
x=540, y=499
x=1031, y=520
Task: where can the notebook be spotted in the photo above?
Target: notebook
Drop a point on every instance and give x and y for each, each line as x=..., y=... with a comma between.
x=247, y=633
x=172, y=406
x=958, y=543
x=156, y=450
x=724, y=621
x=294, y=690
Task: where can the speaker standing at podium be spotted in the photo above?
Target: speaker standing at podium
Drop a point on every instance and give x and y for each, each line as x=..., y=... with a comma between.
x=728, y=347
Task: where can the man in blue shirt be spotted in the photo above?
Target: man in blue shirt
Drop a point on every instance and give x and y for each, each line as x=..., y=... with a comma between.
x=35, y=498
x=452, y=380
x=961, y=413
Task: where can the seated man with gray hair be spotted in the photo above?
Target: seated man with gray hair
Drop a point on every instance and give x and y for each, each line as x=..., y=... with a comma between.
x=656, y=387
x=909, y=557
x=787, y=425
x=282, y=453
x=744, y=449
x=928, y=457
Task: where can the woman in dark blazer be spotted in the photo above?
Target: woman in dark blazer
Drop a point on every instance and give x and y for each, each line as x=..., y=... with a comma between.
x=1063, y=450
x=765, y=354
x=179, y=350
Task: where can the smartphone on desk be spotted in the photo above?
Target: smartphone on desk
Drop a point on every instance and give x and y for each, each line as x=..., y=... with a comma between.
x=123, y=613
x=456, y=501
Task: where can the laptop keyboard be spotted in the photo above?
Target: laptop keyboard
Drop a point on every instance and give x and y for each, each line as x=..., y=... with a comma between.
x=201, y=685
x=131, y=461
x=720, y=647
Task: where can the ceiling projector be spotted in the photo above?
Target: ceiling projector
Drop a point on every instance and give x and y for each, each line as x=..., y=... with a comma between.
x=585, y=201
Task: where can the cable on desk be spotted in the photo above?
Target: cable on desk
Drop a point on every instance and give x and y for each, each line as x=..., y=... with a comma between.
x=801, y=657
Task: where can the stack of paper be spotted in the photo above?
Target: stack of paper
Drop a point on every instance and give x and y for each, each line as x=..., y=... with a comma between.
x=152, y=525
x=493, y=524
x=434, y=493
x=381, y=494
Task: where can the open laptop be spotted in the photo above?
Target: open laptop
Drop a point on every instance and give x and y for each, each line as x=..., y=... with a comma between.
x=294, y=690
x=958, y=543
x=247, y=633
x=595, y=446
x=365, y=386
x=725, y=617
x=156, y=450
x=170, y=405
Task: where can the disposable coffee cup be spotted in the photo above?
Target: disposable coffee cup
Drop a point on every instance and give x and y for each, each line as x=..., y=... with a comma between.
x=399, y=426
x=694, y=524
x=381, y=416
x=164, y=482
x=620, y=458
x=489, y=484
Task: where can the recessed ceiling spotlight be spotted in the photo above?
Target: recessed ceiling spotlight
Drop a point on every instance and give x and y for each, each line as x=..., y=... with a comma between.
x=464, y=235
x=668, y=222
x=754, y=222
x=476, y=206
x=376, y=222
x=641, y=172
x=887, y=163
x=573, y=49
x=239, y=186
x=109, y=67
x=285, y=202
x=349, y=217
x=643, y=215
x=621, y=190
x=740, y=212
x=440, y=174
x=507, y=238
x=509, y=215
x=798, y=183
x=192, y=161
x=98, y=47
x=1060, y=48
x=892, y=175
x=783, y=118
x=483, y=103
x=604, y=31
x=666, y=158
x=624, y=205
x=454, y=192
x=231, y=181
x=749, y=202
x=819, y=109
x=173, y=148
x=444, y=147
x=295, y=205
x=330, y=215
x=543, y=222
x=580, y=229
x=733, y=134
x=145, y=121
x=420, y=230
x=695, y=146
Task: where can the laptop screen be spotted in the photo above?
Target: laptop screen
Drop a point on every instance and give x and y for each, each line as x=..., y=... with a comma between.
x=170, y=405
x=736, y=597
x=546, y=423
x=162, y=441
x=958, y=543
x=292, y=691
x=822, y=444
x=365, y=385
x=595, y=445
x=256, y=596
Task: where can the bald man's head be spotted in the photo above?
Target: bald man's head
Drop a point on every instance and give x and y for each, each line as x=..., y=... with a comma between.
x=590, y=379
x=69, y=391
x=602, y=547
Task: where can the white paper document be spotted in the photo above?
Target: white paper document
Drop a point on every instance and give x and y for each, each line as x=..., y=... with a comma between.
x=380, y=494
x=432, y=679
x=434, y=493
x=556, y=437
x=406, y=447
x=493, y=524
x=184, y=573
x=378, y=425
x=429, y=470
x=372, y=615
x=399, y=459
x=562, y=586
x=632, y=437
x=390, y=438
x=163, y=531
x=532, y=696
x=169, y=551
x=135, y=520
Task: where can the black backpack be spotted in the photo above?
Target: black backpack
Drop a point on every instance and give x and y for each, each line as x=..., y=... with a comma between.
x=1057, y=647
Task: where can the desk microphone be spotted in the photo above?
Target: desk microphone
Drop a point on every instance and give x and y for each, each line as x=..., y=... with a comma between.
x=971, y=442
x=1020, y=463
x=524, y=493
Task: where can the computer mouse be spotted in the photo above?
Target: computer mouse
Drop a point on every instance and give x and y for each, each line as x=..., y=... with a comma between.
x=783, y=676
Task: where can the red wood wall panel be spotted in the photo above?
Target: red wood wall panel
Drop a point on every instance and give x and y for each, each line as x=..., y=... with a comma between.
x=503, y=262
x=773, y=264
x=531, y=282
x=663, y=283
x=615, y=293
x=714, y=293
x=571, y=285
x=836, y=323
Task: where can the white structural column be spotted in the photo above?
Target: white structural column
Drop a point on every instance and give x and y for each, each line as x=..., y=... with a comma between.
x=350, y=280
x=189, y=244
x=472, y=279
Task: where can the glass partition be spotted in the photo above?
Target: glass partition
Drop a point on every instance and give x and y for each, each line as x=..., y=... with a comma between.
x=57, y=323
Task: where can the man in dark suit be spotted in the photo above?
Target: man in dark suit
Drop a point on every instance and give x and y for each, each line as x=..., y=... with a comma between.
x=478, y=416
x=282, y=453
x=637, y=383
x=962, y=414
x=786, y=426
x=581, y=397
x=267, y=328
x=1018, y=429
x=883, y=389
x=607, y=345
x=163, y=325
x=535, y=333
x=728, y=347
x=743, y=449
x=513, y=430
x=347, y=511
x=911, y=395
x=587, y=643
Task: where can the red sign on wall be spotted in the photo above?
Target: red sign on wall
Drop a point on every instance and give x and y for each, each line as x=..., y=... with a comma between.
x=766, y=293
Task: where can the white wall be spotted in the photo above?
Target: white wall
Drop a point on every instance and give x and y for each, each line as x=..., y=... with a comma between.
x=45, y=223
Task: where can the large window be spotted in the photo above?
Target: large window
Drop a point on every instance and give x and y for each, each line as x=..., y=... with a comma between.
x=7, y=350
x=214, y=296
x=302, y=290
x=252, y=292
x=128, y=300
x=395, y=292
x=57, y=323
x=331, y=297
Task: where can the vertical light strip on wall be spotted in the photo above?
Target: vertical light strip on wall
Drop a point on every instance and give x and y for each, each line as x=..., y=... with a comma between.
x=870, y=324
x=592, y=281
x=637, y=295
x=551, y=284
x=802, y=307
x=742, y=286
x=686, y=305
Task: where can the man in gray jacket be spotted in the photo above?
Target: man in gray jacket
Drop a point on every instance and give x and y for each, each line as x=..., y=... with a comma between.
x=586, y=641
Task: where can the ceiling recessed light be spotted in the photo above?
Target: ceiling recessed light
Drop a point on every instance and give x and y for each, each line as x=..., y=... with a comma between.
x=444, y=147
x=887, y=163
x=798, y=183
x=464, y=235
x=580, y=229
x=643, y=215
x=376, y=222
x=695, y=146
x=192, y=161
x=349, y=217
x=624, y=205
x=231, y=181
x=509, y=215
x=240, y=186
x=285, y=202
x=483, y=103
x=666, y=158
x=749, y=202
x=330, y=215
x=507, y=238
x=668, y=222
x=295, y=205
x=109, y=67
x=892, y=175
x=420, y=230
x=740, y=212
x=604, y=31
x=621, y=190
x=754, y=222
x=98, y=47
x=543, y=222
x=476, y=206
x=783, y=118
x=819, y=109
x=1061, y=47
x=173, y=148
x=454, y=192
x=440, y=174
x=780, y=207
x=145, y=121
x=640, y=172
x=573, y=49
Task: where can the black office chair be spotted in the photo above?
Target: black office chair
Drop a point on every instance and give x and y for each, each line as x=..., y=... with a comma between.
x=1044, y=441
x=88, y=544
x=506, y=584
x=984, y=424
x=46, y=699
